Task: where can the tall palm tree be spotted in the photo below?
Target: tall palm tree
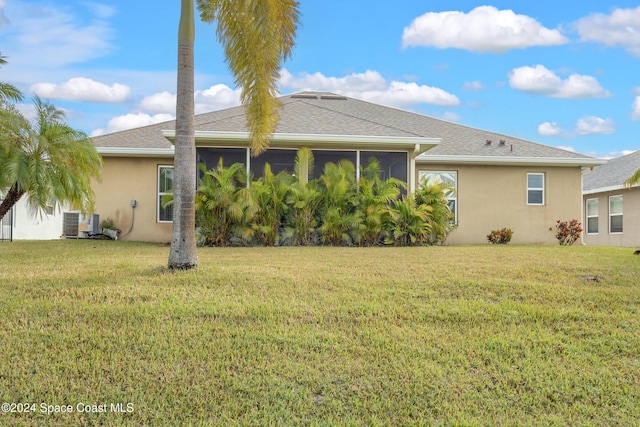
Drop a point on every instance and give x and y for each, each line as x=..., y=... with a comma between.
x=45, y=160
x=257, y=36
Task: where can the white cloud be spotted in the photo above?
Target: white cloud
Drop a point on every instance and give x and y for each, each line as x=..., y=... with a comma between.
x=48, y=35
x=162, y=102
x=635, y=109
x=83, y=89
x=132, y=120
x=355, y=82
x=592, y=125
x=485, y=29
x=217, y=97
x=620, y=28
x=540, y=80
x=549, y=129
x=371, y=86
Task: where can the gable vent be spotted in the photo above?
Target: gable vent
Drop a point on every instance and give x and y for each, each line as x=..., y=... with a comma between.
x=304, y=96
x=334, y=97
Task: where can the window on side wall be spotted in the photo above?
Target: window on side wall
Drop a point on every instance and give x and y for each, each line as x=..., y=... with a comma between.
x=447, y=177
x=592, y=216
x=165, y=186
x=615, y=214
x=535, y=189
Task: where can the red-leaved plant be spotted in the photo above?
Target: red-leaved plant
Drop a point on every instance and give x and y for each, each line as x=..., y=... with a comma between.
x=568, y=231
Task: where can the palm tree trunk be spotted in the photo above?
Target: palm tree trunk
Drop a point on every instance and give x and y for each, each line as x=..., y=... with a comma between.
x=183, y=253
x=10, y=199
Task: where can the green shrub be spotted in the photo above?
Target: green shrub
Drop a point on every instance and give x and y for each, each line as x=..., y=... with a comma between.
x=502, y=236
x=335, y=209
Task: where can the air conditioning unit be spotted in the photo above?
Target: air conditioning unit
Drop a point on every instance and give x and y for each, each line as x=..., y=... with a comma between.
x=77, y=226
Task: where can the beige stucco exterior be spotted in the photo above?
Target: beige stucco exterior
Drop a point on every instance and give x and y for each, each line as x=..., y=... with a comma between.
x=630, y=236
x=132, y=178
x=495, y=196
x=489, y=197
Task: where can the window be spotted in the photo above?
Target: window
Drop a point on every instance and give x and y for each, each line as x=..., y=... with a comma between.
x=535, y=189
x=446, y=177
x=592, y=216
x=165, y=186
x=615, y=214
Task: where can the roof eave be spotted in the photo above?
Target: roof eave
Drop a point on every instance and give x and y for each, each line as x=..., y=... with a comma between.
x=417, y=145
x=610, y=188
x=517, y=161
x=135, y=152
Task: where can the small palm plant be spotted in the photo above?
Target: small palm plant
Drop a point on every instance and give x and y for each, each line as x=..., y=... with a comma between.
x=409, y=225
x=224, y=207
x=303, y=200
x=434, y=195
x=270, y=193
x=373, y=199
x=339, y=218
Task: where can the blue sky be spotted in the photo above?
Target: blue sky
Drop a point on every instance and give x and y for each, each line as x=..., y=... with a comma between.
x=564, y=74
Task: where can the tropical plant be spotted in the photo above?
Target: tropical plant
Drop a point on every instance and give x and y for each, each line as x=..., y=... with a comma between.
x=633, y=179
x=303, y=200
x=567, y=232
x=434, y=194
x=409, y=225
x=338, y=188
x=500, y=237
x=8, y=92
x=45, y=160
x=270, y=193
x=224, y=205
x=373, y=198
x=257, y=36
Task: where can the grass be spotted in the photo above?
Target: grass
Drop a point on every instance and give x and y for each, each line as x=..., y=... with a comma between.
x=471, y=335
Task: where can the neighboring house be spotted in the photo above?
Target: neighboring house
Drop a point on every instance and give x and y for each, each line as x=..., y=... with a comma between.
x=501, y=181
x=21, y=223
x=612, y=211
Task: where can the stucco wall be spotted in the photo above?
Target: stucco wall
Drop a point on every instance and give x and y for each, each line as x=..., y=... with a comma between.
x=493, y=197
x=125, y=179
x=630, y=236
x=29, y=225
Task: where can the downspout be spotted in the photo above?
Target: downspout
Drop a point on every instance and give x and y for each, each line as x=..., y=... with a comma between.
x=582, y=217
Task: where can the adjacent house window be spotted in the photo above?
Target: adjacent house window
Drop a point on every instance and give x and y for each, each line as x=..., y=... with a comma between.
x=592, y=216
x=447, y=177
x=165, y=186
x=535, y=189
x=615, y=214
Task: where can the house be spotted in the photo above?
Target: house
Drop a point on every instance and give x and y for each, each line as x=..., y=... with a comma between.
x=610, y=208
x=22, y=223
x=500, y=181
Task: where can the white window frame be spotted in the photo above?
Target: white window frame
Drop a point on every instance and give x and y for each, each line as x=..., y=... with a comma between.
x=160, y=194
x=621, y=214
x=596, y=216
x=450, y=197
x=541, y=189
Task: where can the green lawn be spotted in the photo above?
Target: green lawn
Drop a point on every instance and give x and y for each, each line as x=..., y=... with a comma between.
x=471, y=335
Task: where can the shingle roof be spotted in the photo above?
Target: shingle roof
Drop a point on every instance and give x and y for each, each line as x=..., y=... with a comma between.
x=321, y=113
x=612, y=174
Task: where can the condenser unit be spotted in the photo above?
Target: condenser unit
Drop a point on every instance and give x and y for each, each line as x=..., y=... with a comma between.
x=77, y=226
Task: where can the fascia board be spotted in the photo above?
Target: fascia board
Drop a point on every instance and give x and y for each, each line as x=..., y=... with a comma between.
x=135, y=152
x=607, y=189
x=519, y=161
x=417, y=145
